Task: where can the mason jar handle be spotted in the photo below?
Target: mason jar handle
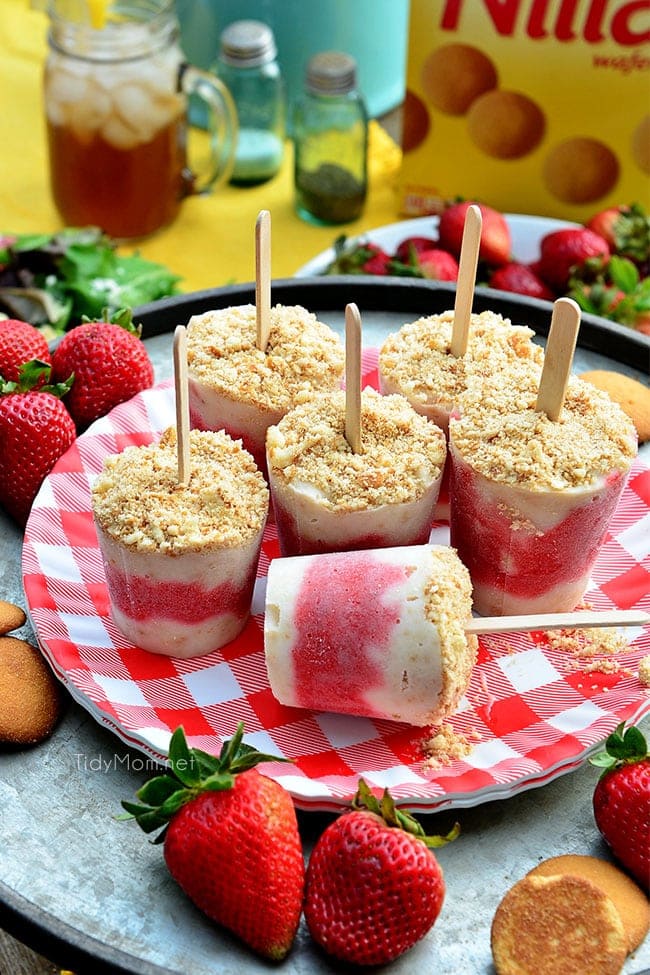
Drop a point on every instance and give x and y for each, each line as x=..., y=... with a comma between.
x=222, y=126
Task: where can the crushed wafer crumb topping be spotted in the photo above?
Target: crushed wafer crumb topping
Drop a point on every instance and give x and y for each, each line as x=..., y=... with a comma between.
x=402, y=453
x=592, y=438
x=137, y=499
x=448, y=605
x=447, y=746
x=303, y=354
x=588, y=641
x=644, y=671
x=417, y=359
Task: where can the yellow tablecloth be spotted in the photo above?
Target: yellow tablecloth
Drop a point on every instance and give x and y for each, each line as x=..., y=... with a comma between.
x=212, y=241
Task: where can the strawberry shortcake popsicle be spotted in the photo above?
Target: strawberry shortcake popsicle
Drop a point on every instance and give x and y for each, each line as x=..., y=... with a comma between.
x=376, y=633
x=531, y=498
x=417, y=362
x=237, y=387
x=328, y=498
x=181, y=561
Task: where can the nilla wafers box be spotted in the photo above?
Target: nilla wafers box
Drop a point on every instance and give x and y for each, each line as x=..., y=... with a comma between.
x=529, y=106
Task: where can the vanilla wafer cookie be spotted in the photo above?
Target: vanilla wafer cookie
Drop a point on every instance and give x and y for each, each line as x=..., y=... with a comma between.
x=558, y=925
x=12, y=617
x=30, y=697
x=628, y=898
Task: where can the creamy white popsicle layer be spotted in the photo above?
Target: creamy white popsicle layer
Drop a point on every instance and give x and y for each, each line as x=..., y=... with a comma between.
x=237, y=387
x=181, y=561
x=328, y=498
x=531, y=498
x=417, y=362
x=377, y=633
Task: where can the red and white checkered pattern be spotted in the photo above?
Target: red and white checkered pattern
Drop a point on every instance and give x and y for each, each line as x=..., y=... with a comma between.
x=531, y=714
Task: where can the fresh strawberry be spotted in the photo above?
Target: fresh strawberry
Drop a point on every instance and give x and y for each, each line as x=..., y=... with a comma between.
x=110, y=365
x=20, y=342
x=438, y=265
x=562, y=251
x=407, y=250
x=35, y=430
x=374, y=886
x=353, y=256
x=603, y=222
x=377, y=263
x=621, y=800
x=496, y=242
x=521, y=279
x=230, y=840
x=627, y=231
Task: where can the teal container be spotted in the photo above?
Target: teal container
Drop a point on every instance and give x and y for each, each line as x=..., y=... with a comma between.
x=373, y=32
x=247, y=66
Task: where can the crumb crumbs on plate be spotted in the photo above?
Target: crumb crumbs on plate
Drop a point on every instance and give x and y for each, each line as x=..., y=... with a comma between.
x=587, y=642
x=644, y=671
x=447, y=745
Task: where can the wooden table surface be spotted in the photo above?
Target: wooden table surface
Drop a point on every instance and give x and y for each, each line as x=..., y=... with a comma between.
x=16, y=959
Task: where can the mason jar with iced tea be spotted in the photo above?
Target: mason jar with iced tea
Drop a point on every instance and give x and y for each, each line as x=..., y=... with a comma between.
x=116, y=90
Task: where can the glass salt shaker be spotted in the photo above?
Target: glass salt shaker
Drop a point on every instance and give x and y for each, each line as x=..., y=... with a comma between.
x=248, y=67
x=331, y=142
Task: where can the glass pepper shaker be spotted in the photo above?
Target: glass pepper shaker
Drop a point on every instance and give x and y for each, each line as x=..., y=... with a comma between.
x=330, y=142
x=248, y=67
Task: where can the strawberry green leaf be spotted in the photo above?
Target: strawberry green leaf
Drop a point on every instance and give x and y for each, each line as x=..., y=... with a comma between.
x=632, y=233
x=365, y=799
x=208, y=764
x=622, y=747
x=157, y=790
x=398, y=818
x=134, y=809
x=181, y=760
x=623, y=273
x=230, y=747
x=173, y=803
x=191, y=773
x=149, y=822
x=218, y=782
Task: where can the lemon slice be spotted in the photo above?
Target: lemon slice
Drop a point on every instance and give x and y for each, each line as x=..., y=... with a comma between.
x=98, y=9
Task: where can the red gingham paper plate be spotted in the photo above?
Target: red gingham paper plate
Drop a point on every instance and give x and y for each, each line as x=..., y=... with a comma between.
x=529, y=714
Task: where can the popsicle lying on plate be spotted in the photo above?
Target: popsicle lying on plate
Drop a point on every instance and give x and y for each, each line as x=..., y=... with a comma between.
x=379, y=633
x=385, y=633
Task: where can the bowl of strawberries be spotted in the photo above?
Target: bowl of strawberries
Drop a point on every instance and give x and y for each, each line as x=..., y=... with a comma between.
x=603, y=264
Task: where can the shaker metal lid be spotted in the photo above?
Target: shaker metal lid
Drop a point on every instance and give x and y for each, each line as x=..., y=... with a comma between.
x=247, y=43
x=331, y=73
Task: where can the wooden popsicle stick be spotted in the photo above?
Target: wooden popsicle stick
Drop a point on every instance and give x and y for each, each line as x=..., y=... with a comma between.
x=263, y=278
x=560, y=346
x=557, y=621
x=182, y=405
x=353, y=377
x=466, y=280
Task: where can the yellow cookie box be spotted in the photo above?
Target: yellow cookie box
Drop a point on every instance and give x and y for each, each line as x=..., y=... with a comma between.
x=529, y=106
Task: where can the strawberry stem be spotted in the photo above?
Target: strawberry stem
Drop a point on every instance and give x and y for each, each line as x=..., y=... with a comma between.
x=30, y=375
x=622, y=747
x=386, y=809
x=191, y=772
